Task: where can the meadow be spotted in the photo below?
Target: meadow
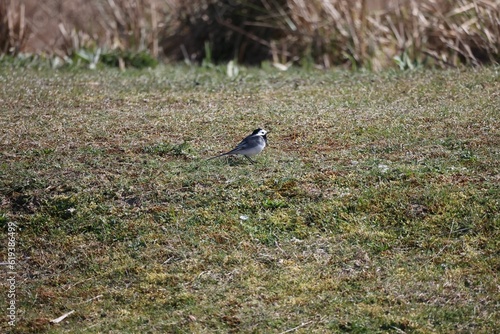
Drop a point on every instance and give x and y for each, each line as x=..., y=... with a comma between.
x=374, y=208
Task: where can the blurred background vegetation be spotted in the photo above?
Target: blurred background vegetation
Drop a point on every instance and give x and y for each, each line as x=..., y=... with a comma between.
x=372, y=34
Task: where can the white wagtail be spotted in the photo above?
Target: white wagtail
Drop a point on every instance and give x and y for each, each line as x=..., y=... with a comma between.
x=250, y=146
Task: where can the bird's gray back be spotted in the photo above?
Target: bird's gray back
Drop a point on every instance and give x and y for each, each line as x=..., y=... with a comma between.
x=250, y=142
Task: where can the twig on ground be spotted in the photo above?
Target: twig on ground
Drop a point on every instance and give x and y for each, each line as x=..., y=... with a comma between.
x=295, y=328
x=62, y=317
x=91, y=299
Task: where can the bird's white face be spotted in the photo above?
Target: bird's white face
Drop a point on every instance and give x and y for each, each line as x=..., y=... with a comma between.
x=261, y=132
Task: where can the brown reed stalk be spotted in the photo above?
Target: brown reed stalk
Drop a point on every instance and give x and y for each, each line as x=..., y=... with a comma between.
x=324, y=32
x=14, y=32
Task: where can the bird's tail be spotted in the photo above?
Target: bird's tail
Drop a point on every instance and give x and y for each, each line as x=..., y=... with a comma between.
x=218, y=156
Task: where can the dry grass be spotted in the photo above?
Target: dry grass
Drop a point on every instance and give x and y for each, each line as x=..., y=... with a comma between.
x=374, y=208
x=325, y=33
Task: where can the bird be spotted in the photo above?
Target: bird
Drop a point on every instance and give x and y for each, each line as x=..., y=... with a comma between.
x=249, y=146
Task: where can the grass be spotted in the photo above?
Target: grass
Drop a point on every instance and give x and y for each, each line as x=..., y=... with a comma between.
x=374, y=208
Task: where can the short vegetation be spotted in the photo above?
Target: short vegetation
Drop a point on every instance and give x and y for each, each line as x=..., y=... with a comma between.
x=374, y=208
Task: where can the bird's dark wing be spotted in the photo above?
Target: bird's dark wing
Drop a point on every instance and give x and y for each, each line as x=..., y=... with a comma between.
x=245, y=143
x=239, y=147
x=249, y=141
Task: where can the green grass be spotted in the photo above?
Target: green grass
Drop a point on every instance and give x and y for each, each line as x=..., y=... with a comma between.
x=374, y=208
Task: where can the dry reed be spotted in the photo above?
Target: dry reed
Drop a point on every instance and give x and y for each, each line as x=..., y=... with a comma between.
x=13, y=29
x=322, y=32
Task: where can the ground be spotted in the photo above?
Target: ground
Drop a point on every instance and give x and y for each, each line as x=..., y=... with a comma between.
x=373, y=209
